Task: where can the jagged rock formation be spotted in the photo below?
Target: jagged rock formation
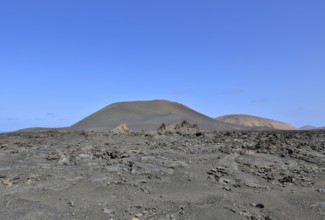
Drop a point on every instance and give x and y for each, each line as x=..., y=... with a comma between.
x=183, y=128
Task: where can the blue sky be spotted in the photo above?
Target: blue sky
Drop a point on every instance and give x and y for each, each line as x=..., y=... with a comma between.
x=62, y=60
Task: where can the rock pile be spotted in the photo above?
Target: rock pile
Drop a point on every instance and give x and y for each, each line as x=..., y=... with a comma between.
x=122, y=129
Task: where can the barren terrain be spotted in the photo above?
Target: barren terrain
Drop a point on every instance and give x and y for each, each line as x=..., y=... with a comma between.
x=171, y=174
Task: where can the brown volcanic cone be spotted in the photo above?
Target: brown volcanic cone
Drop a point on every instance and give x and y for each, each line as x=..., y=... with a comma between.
x=255, y=122
x=148, y=115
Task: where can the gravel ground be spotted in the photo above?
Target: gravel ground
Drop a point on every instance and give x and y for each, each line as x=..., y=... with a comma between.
x=168, y=175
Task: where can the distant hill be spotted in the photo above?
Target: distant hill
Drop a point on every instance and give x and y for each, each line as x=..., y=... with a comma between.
x=149, y=115
x=255, y=122
x=33, y=129
x=321, y=128
x=308, y=127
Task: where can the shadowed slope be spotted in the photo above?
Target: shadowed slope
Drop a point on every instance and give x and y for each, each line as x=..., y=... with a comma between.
x=148, y=115
x=255, y=122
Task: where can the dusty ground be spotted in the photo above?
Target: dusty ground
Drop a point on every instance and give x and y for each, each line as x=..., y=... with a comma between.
x=61, y=174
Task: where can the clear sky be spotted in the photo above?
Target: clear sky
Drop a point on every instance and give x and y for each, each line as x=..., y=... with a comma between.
x=61, y=60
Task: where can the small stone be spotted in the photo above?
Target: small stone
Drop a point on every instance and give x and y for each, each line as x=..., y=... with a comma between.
x=287, y=179
x=225, y=180
x=139, y=215
x=226, y=188
x=125, y=155
x=85, y=156
x=145, y=189
x=259, y=205
x=63, y=161
x=53, y=156
x=71, y=203
x=16, y=178
x=108, y=211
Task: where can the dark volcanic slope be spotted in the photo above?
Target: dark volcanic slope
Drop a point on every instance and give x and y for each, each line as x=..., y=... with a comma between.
x=148, y=115
x=255, y=122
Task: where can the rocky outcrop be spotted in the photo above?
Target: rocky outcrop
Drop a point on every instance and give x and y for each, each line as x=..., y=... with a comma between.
x=183, y=128
x=122, y=129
